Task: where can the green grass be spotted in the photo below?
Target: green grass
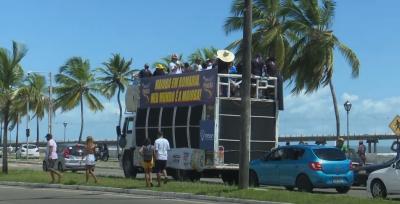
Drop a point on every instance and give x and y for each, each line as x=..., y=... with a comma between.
x=195, y=188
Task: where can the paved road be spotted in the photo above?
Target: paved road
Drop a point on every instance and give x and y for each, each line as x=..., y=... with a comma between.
x=17, y=195
x=355, y=191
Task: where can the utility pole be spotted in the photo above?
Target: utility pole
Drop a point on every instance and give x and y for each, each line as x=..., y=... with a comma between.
x=50, y=104
x=246, y=102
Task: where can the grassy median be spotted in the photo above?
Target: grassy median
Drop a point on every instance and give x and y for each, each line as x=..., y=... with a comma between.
x=198, y=188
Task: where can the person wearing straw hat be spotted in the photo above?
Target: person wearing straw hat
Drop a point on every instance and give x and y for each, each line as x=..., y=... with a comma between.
x=160, y=70
x=224, y=61
x=341, y=146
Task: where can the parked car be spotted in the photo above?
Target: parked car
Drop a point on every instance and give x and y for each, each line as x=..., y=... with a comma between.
x=32, y=150
x=361, y=173
x=70, y=157
x=384, y=182
x=304, y=167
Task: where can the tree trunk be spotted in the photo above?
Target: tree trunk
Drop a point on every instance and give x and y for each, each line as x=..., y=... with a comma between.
x=246, y=102
x=5, y=136
x=120, y=118
x=37, y=131
x=17, y=134
x=335, y=108
x=80, y=134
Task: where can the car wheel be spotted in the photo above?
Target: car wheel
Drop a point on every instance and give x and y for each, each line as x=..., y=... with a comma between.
x=44, y=166
x=289, y=188
x=304, y=184
x=343, y=189
x=378, y=189
x=60, y=167
x=253, y=179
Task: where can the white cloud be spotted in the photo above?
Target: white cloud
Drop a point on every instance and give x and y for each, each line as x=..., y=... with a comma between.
x=349, y=97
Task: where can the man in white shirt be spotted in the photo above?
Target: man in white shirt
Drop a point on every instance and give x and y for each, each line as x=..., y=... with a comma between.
x=161, y=146
x=52, y=157
x=175, y=66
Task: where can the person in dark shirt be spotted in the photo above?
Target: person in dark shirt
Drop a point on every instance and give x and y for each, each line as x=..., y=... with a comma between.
x=160, y=70
x=257, y=66
x=145, y=72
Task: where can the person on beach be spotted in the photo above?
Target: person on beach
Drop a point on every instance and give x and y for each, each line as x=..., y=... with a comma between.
x=161, y=146
x=52, y=157
x=147, y=152
x=90, y=162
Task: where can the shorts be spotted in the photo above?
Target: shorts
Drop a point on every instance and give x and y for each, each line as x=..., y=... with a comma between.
x=90, y=160
x=51, y=164
x=160, y=165
x=147, y=164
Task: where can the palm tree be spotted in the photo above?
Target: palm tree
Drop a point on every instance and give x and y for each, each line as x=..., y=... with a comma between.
x=203, y=54
x=313, y=53
x=116, y=75
x=35, y=89
x=76, y=85
x=271, y=35
x=11, y=75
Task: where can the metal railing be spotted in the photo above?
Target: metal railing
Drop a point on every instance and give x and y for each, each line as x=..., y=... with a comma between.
x=260, y=84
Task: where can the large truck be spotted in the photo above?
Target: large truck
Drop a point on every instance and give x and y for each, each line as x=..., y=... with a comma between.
x=199, y=114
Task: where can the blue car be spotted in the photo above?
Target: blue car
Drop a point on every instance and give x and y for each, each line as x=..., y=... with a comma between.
x=303, y=167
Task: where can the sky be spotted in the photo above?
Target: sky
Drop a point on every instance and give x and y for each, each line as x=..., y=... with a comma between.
x=145, y=31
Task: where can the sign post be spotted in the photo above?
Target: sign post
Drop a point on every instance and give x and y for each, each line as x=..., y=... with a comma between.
x=395, y=126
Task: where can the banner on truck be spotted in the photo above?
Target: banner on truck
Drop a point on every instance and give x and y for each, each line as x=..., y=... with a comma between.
x=207, y=135
x=179, y=90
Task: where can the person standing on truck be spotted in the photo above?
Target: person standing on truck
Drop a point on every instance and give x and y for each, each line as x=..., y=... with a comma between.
x=145, y=72
x=90, y=149
x=175, y=66
x=161, y=148
x=147, y=152
x=52, y=158
x=159, y=70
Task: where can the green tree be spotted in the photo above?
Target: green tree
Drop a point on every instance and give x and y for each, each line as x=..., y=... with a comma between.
x=271, y=35
x=116, y=76
x=203, y=54
x=77, y=84
x=35, y=89
x=312, y=58
x=11, y=75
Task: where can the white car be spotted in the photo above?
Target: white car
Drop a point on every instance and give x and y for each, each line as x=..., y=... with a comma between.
x=33, y=151
x=384, y=182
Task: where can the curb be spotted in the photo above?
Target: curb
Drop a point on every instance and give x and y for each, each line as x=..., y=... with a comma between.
x=36, y=163
x=187, y=196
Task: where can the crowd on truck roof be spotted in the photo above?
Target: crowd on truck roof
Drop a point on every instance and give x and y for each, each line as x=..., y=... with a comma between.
x=224, y=63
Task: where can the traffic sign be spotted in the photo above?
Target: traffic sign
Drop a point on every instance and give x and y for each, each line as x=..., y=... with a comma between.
x=395, y=125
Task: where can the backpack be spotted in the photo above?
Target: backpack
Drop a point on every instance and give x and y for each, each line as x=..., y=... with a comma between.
x=148, y=153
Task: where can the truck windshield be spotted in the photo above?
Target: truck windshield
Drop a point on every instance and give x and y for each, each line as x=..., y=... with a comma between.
x=330, y=154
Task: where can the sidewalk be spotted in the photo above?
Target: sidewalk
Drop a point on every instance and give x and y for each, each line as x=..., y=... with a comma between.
x=187, y=196
x=99, y=164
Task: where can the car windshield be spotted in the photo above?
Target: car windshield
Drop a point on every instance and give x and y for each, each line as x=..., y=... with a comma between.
x=29, y=146
x=330, y=154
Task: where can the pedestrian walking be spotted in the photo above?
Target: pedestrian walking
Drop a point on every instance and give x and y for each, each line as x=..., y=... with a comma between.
x=90, y=162
x=52, y=157
x=361, y=152
x=147, y=152
x=161, y=150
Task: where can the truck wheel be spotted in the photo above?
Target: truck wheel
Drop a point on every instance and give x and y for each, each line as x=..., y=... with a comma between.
x=129, y=170
x=253, y=179
x=229, y=177
x=194, y=176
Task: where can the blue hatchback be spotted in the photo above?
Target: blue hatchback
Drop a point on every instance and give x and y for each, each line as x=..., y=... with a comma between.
x=304, y=167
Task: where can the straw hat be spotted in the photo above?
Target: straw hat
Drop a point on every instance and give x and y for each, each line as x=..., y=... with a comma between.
x=159, y=66
x=225, y=55
x=341, y=139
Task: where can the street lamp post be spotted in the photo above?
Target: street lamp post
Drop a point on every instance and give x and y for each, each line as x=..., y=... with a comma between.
x=347, y=107
x=65, y=128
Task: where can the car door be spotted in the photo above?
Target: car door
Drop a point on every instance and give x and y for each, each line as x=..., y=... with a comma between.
x=393, y=178
x=289, y=167
x=269, y=174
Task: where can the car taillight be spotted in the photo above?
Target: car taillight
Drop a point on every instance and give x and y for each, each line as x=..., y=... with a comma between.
x=316, y=166
x=66, y=153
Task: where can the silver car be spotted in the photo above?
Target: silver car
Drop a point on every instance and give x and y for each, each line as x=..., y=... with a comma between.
x=70, y=157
